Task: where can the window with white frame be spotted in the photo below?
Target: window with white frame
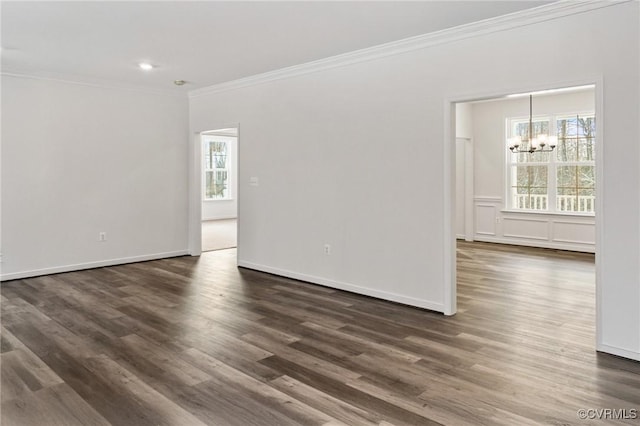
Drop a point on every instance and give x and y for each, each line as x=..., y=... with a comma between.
x=561, y=181
x=217, y=154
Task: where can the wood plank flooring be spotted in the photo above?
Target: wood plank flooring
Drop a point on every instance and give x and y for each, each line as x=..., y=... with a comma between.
x=196, y=341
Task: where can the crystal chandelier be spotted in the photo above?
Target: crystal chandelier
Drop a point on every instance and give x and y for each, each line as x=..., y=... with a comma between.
x=537, y=143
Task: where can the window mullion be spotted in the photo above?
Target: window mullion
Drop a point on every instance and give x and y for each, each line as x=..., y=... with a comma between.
x=552, y=190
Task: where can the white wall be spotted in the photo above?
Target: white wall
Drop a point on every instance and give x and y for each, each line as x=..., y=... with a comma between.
x=464, y=168
x=460, y=187
x=464, y=120
x=491, y=221
x=354, y=156
x=225, y=209
x=78, y=160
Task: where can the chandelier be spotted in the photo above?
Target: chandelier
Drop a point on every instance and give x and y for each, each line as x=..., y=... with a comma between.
x=537, y=143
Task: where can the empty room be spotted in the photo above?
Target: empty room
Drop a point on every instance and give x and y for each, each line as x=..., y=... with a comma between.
x=315, y=213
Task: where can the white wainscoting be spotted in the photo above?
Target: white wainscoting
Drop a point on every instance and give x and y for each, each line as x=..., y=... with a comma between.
x=565, y=232
x=485, y=214
x=525, y=228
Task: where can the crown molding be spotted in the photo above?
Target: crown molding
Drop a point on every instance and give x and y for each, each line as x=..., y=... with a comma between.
x=96, y=84
x=522, y=18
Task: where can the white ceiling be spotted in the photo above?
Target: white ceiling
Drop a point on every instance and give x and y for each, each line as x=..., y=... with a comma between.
x=210, y=42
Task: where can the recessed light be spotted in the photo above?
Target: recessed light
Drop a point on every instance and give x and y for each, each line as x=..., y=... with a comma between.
x=179, y=82
x=145, y=66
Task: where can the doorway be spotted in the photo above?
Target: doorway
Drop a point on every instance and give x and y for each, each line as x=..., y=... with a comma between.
x=546, y=200
x=219, y=189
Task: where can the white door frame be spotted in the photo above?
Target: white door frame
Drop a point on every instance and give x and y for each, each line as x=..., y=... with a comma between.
x=449, y=243
x=195, y=186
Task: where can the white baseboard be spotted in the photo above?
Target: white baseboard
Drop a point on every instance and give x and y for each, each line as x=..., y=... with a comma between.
x=90, y=265
x=380, y=294
x=537, y=243
x=223, y=217
x=618, y=352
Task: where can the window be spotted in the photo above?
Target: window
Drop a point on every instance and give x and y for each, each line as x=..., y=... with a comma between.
x=561, y=181
x=576, y=168
x=217, y=173
x=529, y=172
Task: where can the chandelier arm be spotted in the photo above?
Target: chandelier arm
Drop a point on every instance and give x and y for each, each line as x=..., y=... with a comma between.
x=516, y=147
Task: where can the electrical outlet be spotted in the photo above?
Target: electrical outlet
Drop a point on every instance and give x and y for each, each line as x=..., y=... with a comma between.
x=327, y=249
x=102, y=237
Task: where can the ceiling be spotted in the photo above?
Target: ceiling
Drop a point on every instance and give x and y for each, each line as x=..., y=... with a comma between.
x=210, y=42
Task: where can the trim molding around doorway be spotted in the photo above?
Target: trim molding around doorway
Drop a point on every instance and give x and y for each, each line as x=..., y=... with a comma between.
x=449, y=140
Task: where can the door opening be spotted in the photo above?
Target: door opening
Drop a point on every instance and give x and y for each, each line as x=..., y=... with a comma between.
x=525, y=204
x=219, y=189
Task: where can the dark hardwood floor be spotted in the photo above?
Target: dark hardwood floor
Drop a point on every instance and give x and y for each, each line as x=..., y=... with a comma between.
x=192, y=341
